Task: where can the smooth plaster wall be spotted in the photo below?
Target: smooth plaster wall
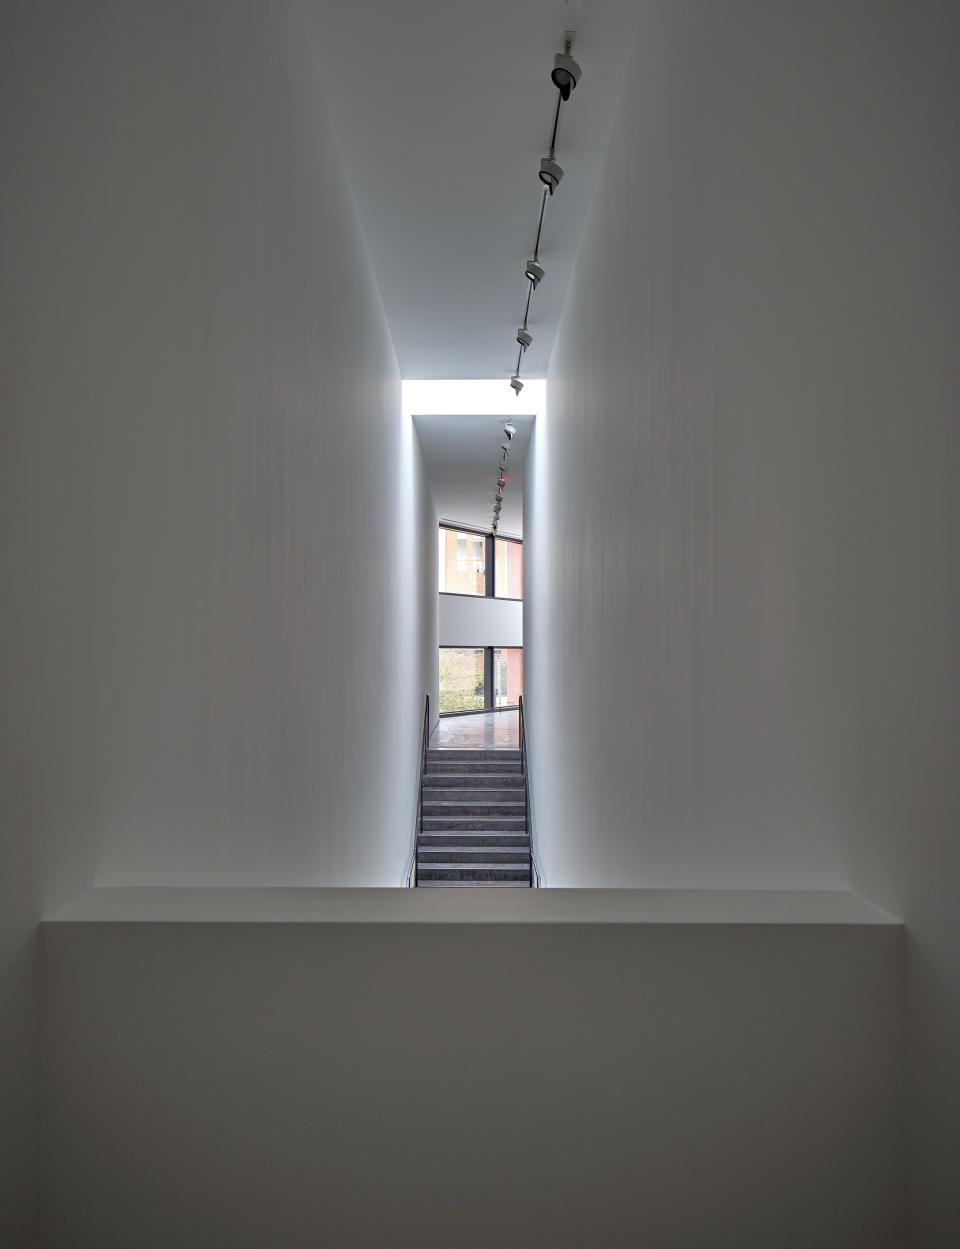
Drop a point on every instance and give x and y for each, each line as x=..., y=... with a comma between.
x=212, y=514
x=466, y=621
x=524, y=1085
x=743, y=591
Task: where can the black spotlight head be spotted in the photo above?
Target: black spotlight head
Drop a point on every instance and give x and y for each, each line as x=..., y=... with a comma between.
x=534, y=272
x=566, y=74
x=550, y=174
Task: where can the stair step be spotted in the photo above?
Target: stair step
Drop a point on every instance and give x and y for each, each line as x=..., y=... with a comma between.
x=501, y=865
x=464, y=767
x=476, y=756
x=475, y=871
x=474, y=884
x=478, y=823
x=486, y=786
x=474, y=780
x=517, y=841
x=472, y=854
x=436, y=793
x=433, y=807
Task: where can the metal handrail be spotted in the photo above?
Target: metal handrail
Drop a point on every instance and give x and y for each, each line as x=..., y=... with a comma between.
x=536, y=877
x=410, y=877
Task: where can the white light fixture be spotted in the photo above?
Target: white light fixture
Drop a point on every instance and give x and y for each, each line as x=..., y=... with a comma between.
x=516, y=383
x=509, y=429
x=535, y=272
x=524, y=337
x=550, y=174
x=566, y=72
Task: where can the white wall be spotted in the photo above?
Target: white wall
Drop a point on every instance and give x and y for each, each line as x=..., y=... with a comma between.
x=213, y=663
x=466, y=621
x=743, y=598
x=535, y=1084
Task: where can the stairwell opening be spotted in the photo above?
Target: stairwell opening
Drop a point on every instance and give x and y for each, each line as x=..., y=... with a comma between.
x=473, y=826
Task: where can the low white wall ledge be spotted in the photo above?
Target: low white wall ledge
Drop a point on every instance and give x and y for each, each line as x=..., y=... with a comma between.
x=305, y=905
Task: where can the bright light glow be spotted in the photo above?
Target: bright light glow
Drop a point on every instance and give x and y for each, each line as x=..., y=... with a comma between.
x=473, y=398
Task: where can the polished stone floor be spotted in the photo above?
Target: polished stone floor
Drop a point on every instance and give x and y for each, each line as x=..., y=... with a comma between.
x=492, y=730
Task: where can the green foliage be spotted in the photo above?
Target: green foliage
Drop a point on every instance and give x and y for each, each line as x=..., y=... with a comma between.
x=461, y=679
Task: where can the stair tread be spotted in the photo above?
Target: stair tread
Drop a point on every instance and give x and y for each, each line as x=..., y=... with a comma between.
x=473, y=849
x=466, y=795
x=486, y=773
x=460, y=821
x=487, y=767
x=473, y=884
x=474, y=832
x=444, y=815
x=518, y=866
x=498, y=803
x=466, y=752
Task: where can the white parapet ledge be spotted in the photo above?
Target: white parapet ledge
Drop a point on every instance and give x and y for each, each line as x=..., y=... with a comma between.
x=305, y=905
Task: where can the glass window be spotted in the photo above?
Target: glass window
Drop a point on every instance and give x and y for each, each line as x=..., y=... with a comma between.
x=507, y=675
x=463, y=562
x=462, y=680
x=509, y=569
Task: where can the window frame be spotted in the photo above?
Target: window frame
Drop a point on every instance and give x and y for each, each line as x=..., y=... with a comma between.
x=504, y=598
x=489, y=553
x=490, y=562
x=488, y=676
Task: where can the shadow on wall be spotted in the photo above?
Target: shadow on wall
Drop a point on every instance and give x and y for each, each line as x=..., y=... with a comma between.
x=19, y=1113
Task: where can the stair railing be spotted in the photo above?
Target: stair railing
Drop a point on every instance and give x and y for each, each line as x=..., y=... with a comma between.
x=536, y=879
x=410, y=877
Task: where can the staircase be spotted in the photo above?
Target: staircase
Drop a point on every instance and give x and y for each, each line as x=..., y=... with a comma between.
x=473, y=830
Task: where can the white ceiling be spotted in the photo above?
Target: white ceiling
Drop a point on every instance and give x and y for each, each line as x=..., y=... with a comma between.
x=443, y=109
x=461, y=454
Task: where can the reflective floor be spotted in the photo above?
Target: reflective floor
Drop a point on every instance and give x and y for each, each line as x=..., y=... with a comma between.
x=492, y=730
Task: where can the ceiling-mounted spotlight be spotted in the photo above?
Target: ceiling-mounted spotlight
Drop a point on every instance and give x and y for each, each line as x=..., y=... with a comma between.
x=550, y=174
x=566, y=72
x=535, y=272
x=524, y=337
x=509, y=429
x=516, y=383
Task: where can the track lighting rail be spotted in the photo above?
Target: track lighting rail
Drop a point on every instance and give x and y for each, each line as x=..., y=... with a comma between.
x=565, y=75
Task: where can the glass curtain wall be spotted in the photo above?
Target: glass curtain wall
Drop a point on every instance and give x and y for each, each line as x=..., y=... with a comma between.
x=508, y=568
x=507, y=675
x=480, y=678
x=463, y=562
x=463, y=685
